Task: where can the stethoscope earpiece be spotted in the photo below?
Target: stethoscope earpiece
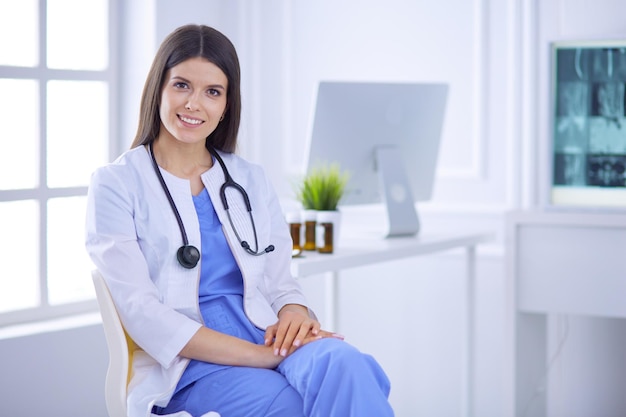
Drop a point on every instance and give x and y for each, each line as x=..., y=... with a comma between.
x=188, y=256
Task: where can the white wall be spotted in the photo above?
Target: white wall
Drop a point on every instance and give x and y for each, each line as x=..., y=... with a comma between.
x=408, y=314
x=54, y=373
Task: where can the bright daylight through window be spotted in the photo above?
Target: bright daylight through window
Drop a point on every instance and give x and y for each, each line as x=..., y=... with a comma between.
x=55, y=88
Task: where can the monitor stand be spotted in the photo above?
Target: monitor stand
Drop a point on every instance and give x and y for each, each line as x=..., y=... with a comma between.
x=402, y=219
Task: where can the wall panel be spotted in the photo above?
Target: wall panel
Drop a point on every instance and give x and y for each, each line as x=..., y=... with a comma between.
x=459, y=42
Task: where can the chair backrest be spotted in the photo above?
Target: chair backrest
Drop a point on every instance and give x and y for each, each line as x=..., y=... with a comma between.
x=120, y=346
x=121, y=350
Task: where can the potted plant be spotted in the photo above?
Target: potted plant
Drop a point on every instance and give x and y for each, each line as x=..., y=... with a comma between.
x=319, y=193
x=322, y=188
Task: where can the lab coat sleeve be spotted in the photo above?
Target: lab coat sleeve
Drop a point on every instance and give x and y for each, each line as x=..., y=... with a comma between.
x=282, y=287
x=112, y=244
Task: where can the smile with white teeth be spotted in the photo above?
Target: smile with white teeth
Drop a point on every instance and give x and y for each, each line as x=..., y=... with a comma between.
x=190, y=121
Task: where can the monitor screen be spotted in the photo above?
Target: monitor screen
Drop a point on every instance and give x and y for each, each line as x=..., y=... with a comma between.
x=386, y=136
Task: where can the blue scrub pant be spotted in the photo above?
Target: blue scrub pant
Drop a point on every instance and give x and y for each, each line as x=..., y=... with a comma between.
x=325, y=378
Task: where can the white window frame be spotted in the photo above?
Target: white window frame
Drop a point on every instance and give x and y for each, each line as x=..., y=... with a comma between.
x=45, y=311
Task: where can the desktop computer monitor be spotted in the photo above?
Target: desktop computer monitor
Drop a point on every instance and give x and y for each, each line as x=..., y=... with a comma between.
x=386, y=136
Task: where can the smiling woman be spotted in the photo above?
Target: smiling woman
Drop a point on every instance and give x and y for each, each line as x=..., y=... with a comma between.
x=193, y=102
x=219, y=318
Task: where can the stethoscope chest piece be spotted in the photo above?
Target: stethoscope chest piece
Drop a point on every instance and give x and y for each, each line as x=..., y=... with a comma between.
x=188, y=256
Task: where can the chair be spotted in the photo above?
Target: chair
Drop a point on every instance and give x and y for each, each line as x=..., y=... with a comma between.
x=121, y=348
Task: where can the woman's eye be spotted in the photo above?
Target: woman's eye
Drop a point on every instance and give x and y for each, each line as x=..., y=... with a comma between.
x=213, y=92
x=180, y=84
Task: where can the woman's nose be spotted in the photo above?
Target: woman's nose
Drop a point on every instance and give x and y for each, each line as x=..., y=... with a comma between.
x=192, y=102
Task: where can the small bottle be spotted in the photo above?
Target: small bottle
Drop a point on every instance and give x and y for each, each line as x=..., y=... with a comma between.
x=310, y=222
x=324, y=233
x=295, y=224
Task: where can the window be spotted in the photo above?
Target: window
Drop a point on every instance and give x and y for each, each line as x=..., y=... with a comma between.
x=56, y=94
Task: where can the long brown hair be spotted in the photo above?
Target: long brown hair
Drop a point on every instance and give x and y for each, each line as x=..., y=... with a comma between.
x=191, y=41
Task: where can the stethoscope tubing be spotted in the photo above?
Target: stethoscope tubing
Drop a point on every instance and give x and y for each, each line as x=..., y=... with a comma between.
x=189, y=250
x=229, y=182
x=181, y=226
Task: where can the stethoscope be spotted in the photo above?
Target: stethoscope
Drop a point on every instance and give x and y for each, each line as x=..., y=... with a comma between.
x=188, y=255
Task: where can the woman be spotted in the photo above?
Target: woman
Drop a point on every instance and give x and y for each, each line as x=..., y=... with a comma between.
x=222, y=323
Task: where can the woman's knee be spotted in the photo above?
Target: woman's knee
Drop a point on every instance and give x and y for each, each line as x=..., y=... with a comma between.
x=324, y=356
x=344, y=359
x=337, y=351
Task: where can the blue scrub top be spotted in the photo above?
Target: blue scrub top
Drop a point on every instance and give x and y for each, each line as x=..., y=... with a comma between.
x=220, y=291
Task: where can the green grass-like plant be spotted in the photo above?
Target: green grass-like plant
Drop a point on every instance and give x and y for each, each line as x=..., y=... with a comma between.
x=322, y=188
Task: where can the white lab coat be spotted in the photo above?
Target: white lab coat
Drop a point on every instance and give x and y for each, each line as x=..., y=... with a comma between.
x=132, y=237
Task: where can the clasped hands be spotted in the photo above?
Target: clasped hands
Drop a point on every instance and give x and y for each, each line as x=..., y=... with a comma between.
x=294, y=328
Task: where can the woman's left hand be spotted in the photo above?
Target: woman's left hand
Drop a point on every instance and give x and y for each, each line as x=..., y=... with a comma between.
x=293, y=329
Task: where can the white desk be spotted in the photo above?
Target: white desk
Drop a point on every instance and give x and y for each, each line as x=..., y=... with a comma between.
x=360, y=252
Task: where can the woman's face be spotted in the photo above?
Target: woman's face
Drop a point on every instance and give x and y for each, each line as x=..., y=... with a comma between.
x=193, y=99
